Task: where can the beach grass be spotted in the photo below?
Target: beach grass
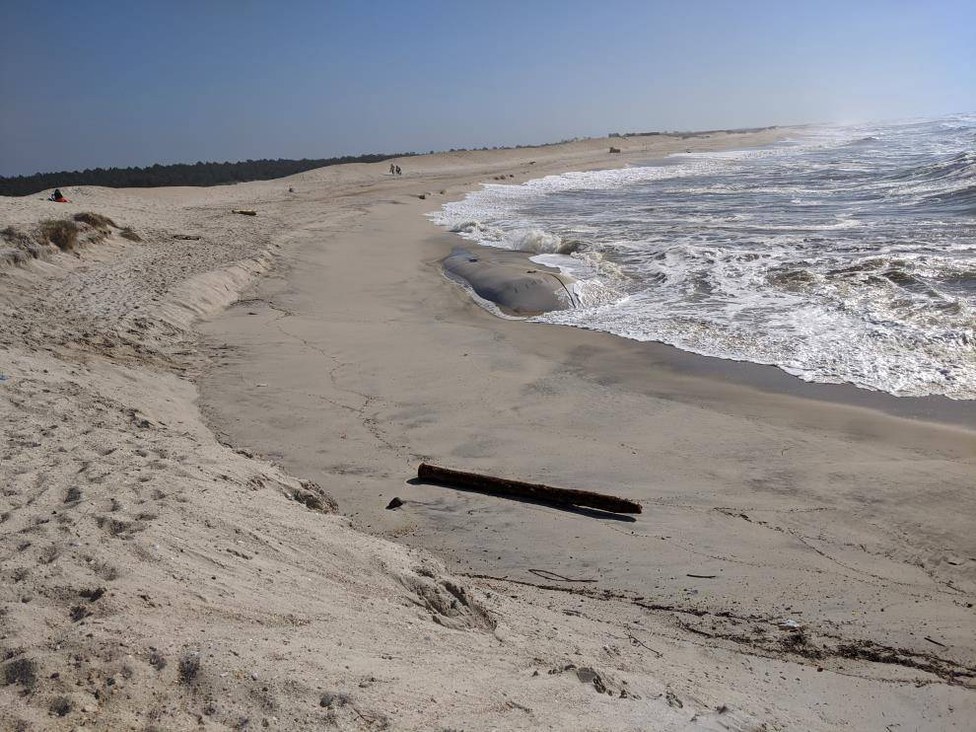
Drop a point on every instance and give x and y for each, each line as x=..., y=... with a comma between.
x=60, y=232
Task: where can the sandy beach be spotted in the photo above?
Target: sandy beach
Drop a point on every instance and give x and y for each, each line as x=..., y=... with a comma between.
x=203, y=429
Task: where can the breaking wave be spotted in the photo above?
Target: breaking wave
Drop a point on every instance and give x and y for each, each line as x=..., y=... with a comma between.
x=845, y=256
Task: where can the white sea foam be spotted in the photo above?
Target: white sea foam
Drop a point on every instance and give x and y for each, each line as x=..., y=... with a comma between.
x=847, y=256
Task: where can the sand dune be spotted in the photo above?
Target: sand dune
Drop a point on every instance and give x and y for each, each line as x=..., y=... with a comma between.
x=193, y=523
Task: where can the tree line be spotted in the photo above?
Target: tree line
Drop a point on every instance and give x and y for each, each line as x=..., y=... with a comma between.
x=180, y=174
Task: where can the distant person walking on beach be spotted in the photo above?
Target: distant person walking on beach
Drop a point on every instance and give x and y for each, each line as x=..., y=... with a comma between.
x=392, y=169
x=398, y=171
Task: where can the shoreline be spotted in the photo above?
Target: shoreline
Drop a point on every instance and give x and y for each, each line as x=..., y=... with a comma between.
x=764, y=378
x=215, y=587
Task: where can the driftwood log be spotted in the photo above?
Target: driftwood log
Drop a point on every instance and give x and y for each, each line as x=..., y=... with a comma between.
x=532, y=491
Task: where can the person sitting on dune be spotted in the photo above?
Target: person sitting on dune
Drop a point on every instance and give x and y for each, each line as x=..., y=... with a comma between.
x=56, y=196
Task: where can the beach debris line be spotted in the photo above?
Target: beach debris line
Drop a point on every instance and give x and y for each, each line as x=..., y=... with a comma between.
x=519, y=489
x=245, y=211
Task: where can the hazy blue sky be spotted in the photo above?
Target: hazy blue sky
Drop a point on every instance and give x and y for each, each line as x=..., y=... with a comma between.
x=93, y=83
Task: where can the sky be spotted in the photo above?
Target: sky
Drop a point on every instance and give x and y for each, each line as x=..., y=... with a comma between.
x=100, y=83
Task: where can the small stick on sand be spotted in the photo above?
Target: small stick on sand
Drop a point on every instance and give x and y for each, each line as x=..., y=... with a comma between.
x=517, y=489
x=546, y=574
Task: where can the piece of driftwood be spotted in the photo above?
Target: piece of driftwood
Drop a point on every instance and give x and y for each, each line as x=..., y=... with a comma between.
x=518, y=489
x=245, y=211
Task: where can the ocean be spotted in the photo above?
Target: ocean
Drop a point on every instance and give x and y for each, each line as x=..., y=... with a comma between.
x=844, y=255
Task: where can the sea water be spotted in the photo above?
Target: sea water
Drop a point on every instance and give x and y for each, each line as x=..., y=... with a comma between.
x=846, y=254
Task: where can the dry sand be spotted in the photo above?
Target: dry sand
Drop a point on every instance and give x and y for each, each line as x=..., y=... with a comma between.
x=157, y=576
